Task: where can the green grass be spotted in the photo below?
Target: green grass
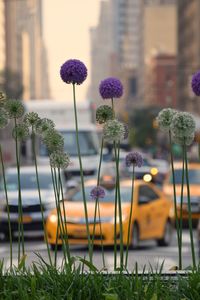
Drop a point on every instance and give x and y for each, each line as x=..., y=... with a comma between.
x=42, y=281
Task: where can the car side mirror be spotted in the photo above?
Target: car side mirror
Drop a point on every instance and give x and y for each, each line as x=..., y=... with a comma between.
x=143, y=200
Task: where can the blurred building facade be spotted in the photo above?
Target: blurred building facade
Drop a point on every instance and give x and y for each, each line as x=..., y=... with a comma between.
x=160, y=53
x=188, y=52
x=25, y=52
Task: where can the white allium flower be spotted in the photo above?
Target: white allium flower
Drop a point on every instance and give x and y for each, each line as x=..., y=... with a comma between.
x=183, y=140
x=53, y=140
x=20, y=132
x=31, y=119
x=183, y=125
x=44, y=125
x=3, y=118
x=14, y=108
x=164, y=118
x=114, y=131
x=59, y=159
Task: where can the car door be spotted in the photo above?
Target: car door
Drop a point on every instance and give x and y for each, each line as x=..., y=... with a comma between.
x=144, y=216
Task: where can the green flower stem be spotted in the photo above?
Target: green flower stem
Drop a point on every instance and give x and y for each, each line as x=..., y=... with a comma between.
x=102, y=249
x=181, y=212
x=115, y=227
x=60, y=224
x=117, y=152
x=130, y=217
x=39, y=195
x=82, y=178
x=7, y=204
x=113, y=108
x=175, y=202
x=20, y=212
x=97, y=205
x=189, y=209
x=65, y=219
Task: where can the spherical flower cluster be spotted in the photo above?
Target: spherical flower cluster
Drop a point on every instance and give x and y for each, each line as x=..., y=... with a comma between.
x=103, y=114
x=110, y=88
x=183, y=124
x=73, y=71
x=59, y=159
x=114, y=131
x=196, y=83
x=97, y=192
x=3, y=119
x=14, y=108
x=53, y=140
x=31, y=119
x=164, y=118
x=20, y=132
x=135, y=159
x=44, y=125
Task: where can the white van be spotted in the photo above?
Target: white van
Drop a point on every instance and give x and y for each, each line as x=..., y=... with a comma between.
x=62, y=114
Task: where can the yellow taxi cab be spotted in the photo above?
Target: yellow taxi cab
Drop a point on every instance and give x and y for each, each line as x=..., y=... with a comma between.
x=152, y=216
x=194, y=179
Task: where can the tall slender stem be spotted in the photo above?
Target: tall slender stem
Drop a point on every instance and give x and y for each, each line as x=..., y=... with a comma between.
x=39, y=195
x=65, y=218
x=181, y=213
x=130, y=217
x=7, y=205
x=97, y=201
x=189, y=209
x=117, y=152
x=20, y=212
x=82, y=178
x=175, y=202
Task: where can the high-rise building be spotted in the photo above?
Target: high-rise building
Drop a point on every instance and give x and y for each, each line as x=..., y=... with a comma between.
x=188, y=52
x=25, y=51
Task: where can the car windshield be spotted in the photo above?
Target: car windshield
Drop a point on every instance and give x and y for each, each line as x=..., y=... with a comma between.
x=28, y=181
x=194, y=176
x=87, y=139
x=125, y=193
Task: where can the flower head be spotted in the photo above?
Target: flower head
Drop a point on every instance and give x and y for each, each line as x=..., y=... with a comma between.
x=53, y=140
x=183, y=125
x=73, y=71
x=3, y=118
x=103, y=114
x=14, y=108
x=183, y=140
x=20, y=132
x=196, y=83
x=59, y=159
x=44, y=125
x=114, y=131
x=164, y=118
x=31, y=119
x=97, y=192
x=110, y=88
x=135, y=159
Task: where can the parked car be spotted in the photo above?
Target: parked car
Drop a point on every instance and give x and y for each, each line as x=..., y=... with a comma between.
x=152, y=216
x=32, y=218
x=194, y=179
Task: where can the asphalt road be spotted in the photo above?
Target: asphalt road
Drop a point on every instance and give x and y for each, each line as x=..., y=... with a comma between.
x=148, y=253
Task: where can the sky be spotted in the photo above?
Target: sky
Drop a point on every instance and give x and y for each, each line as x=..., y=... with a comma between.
x=66, y=35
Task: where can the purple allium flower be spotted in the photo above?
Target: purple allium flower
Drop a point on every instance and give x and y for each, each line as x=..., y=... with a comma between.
x=134, y=158
x=111, y=88
x=97, y=192
x=196, y=83
x=73, y=71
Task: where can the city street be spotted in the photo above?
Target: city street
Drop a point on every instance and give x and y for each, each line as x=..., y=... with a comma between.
x=148, y=253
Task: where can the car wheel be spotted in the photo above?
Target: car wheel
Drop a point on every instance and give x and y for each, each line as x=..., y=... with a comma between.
x=135, y=236
x=167, y=237
x=53, y=247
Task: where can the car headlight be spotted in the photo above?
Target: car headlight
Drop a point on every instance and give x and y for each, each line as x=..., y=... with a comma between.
x=53, y=218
